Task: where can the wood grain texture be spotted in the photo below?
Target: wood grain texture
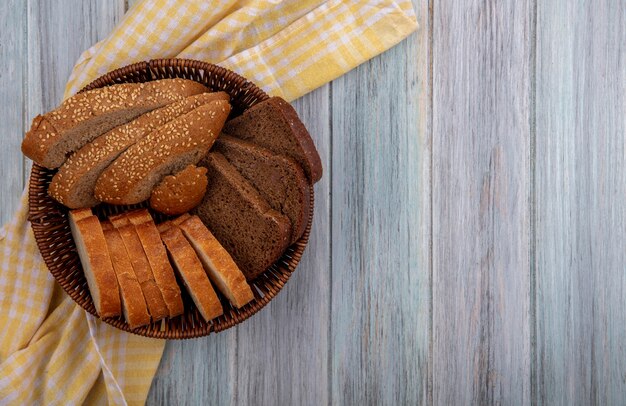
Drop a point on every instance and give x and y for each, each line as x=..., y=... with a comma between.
x=13, y=42
x=380, y=319
x=481, y=183
x=581, y=211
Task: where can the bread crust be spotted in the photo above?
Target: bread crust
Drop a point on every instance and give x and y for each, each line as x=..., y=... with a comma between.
x=86, y=115
x=73, y=185
x=180, y=192
x=217, y=262
x=97, y=265
x=192, y=274
x=250, y=126
x=133, y=302
x=184, y=141
x=159, y=263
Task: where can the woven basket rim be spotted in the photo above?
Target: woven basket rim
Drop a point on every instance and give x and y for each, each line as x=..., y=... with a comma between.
x=51, y=227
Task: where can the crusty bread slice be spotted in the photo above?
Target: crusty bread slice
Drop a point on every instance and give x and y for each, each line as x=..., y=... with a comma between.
x=191, y=272
x=253, y=233
x=181, y=142
x=133, y=302
x=217, y=262
x=83, y=117
x=180, y=192
x=274, y=124
x=80, y=214
x=141, y=265
x=183, y=217
x=73, y=185
x=97, y=265
x=157, y=256
x=278, y=178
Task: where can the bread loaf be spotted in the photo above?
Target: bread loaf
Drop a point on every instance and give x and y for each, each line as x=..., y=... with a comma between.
x=83, y=117
x=73, y=185
x=191, y=272
x=159, y=263
x=217, y=262
x=274, y=124
x=133, y=302
x=96, y=262
x=180, y=192
x=141, y=266
x=278, y=178
x=253, y=233
x=184, y=141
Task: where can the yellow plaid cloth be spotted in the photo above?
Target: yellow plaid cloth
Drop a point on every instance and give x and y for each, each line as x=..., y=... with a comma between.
x=51, y=351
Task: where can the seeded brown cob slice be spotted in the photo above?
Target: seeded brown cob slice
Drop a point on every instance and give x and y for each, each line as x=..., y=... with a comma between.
x=217, y=262
x=141, y=266
x=191, y=272
x=278, y=178
x=96, y=263
x=83, y=117
x=274, y=124
x=157, y=256
x=73, y=185
x=181, y=142
x=133, y=303
x=180, y=192
x=253, y=233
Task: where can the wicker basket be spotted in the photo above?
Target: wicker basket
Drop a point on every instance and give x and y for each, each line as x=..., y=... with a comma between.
x=52, y=232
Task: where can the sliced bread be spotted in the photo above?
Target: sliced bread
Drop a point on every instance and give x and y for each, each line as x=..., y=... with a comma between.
x=73, y=185
x=83, y=117
x=191, y=272
x=278, y=178
x=217, y=262
x=141, y=266
x=133, y=303
x=253, y=233
x=181, y=142
x=180, y=192
x=97, y=264
x=157, y=256
x=274, y=124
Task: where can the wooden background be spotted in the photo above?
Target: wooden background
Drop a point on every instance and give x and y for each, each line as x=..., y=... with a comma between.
x=470, y=229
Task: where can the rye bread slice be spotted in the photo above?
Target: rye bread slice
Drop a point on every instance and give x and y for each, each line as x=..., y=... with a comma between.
x=73, y=185
x=181, y=142
x=278, y=178
x=83, y=117
x=274, y=124
x=253, y=233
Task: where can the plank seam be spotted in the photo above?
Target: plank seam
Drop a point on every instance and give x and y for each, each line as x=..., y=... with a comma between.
x=330, y=247
x=431, y=18
x=534, y=396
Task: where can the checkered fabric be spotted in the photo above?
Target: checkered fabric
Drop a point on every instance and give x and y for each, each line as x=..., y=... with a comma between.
x=51, y=351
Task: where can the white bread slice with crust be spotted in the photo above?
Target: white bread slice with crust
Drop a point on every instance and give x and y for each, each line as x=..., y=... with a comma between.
x=83, y=117
x=152, y=294
x=157, y=256
x=97, y=265
x=184, y=141
x=73, y=185
x=191, y=272
x=133, y=302
x=217, y=262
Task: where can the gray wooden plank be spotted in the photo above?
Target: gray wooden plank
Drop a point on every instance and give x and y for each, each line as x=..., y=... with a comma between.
x=580, y=192
x=380, y=311
x=13, y=41
x=481, y=182
x=282, y=355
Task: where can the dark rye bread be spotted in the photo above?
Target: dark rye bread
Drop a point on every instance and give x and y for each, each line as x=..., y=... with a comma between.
x=181, y=142
x=274, y=124
x=83, y=117
x=74, y=183
x=253, y=233
x=278, y=178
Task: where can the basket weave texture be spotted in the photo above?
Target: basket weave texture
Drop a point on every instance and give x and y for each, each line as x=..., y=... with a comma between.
x=51, y=228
